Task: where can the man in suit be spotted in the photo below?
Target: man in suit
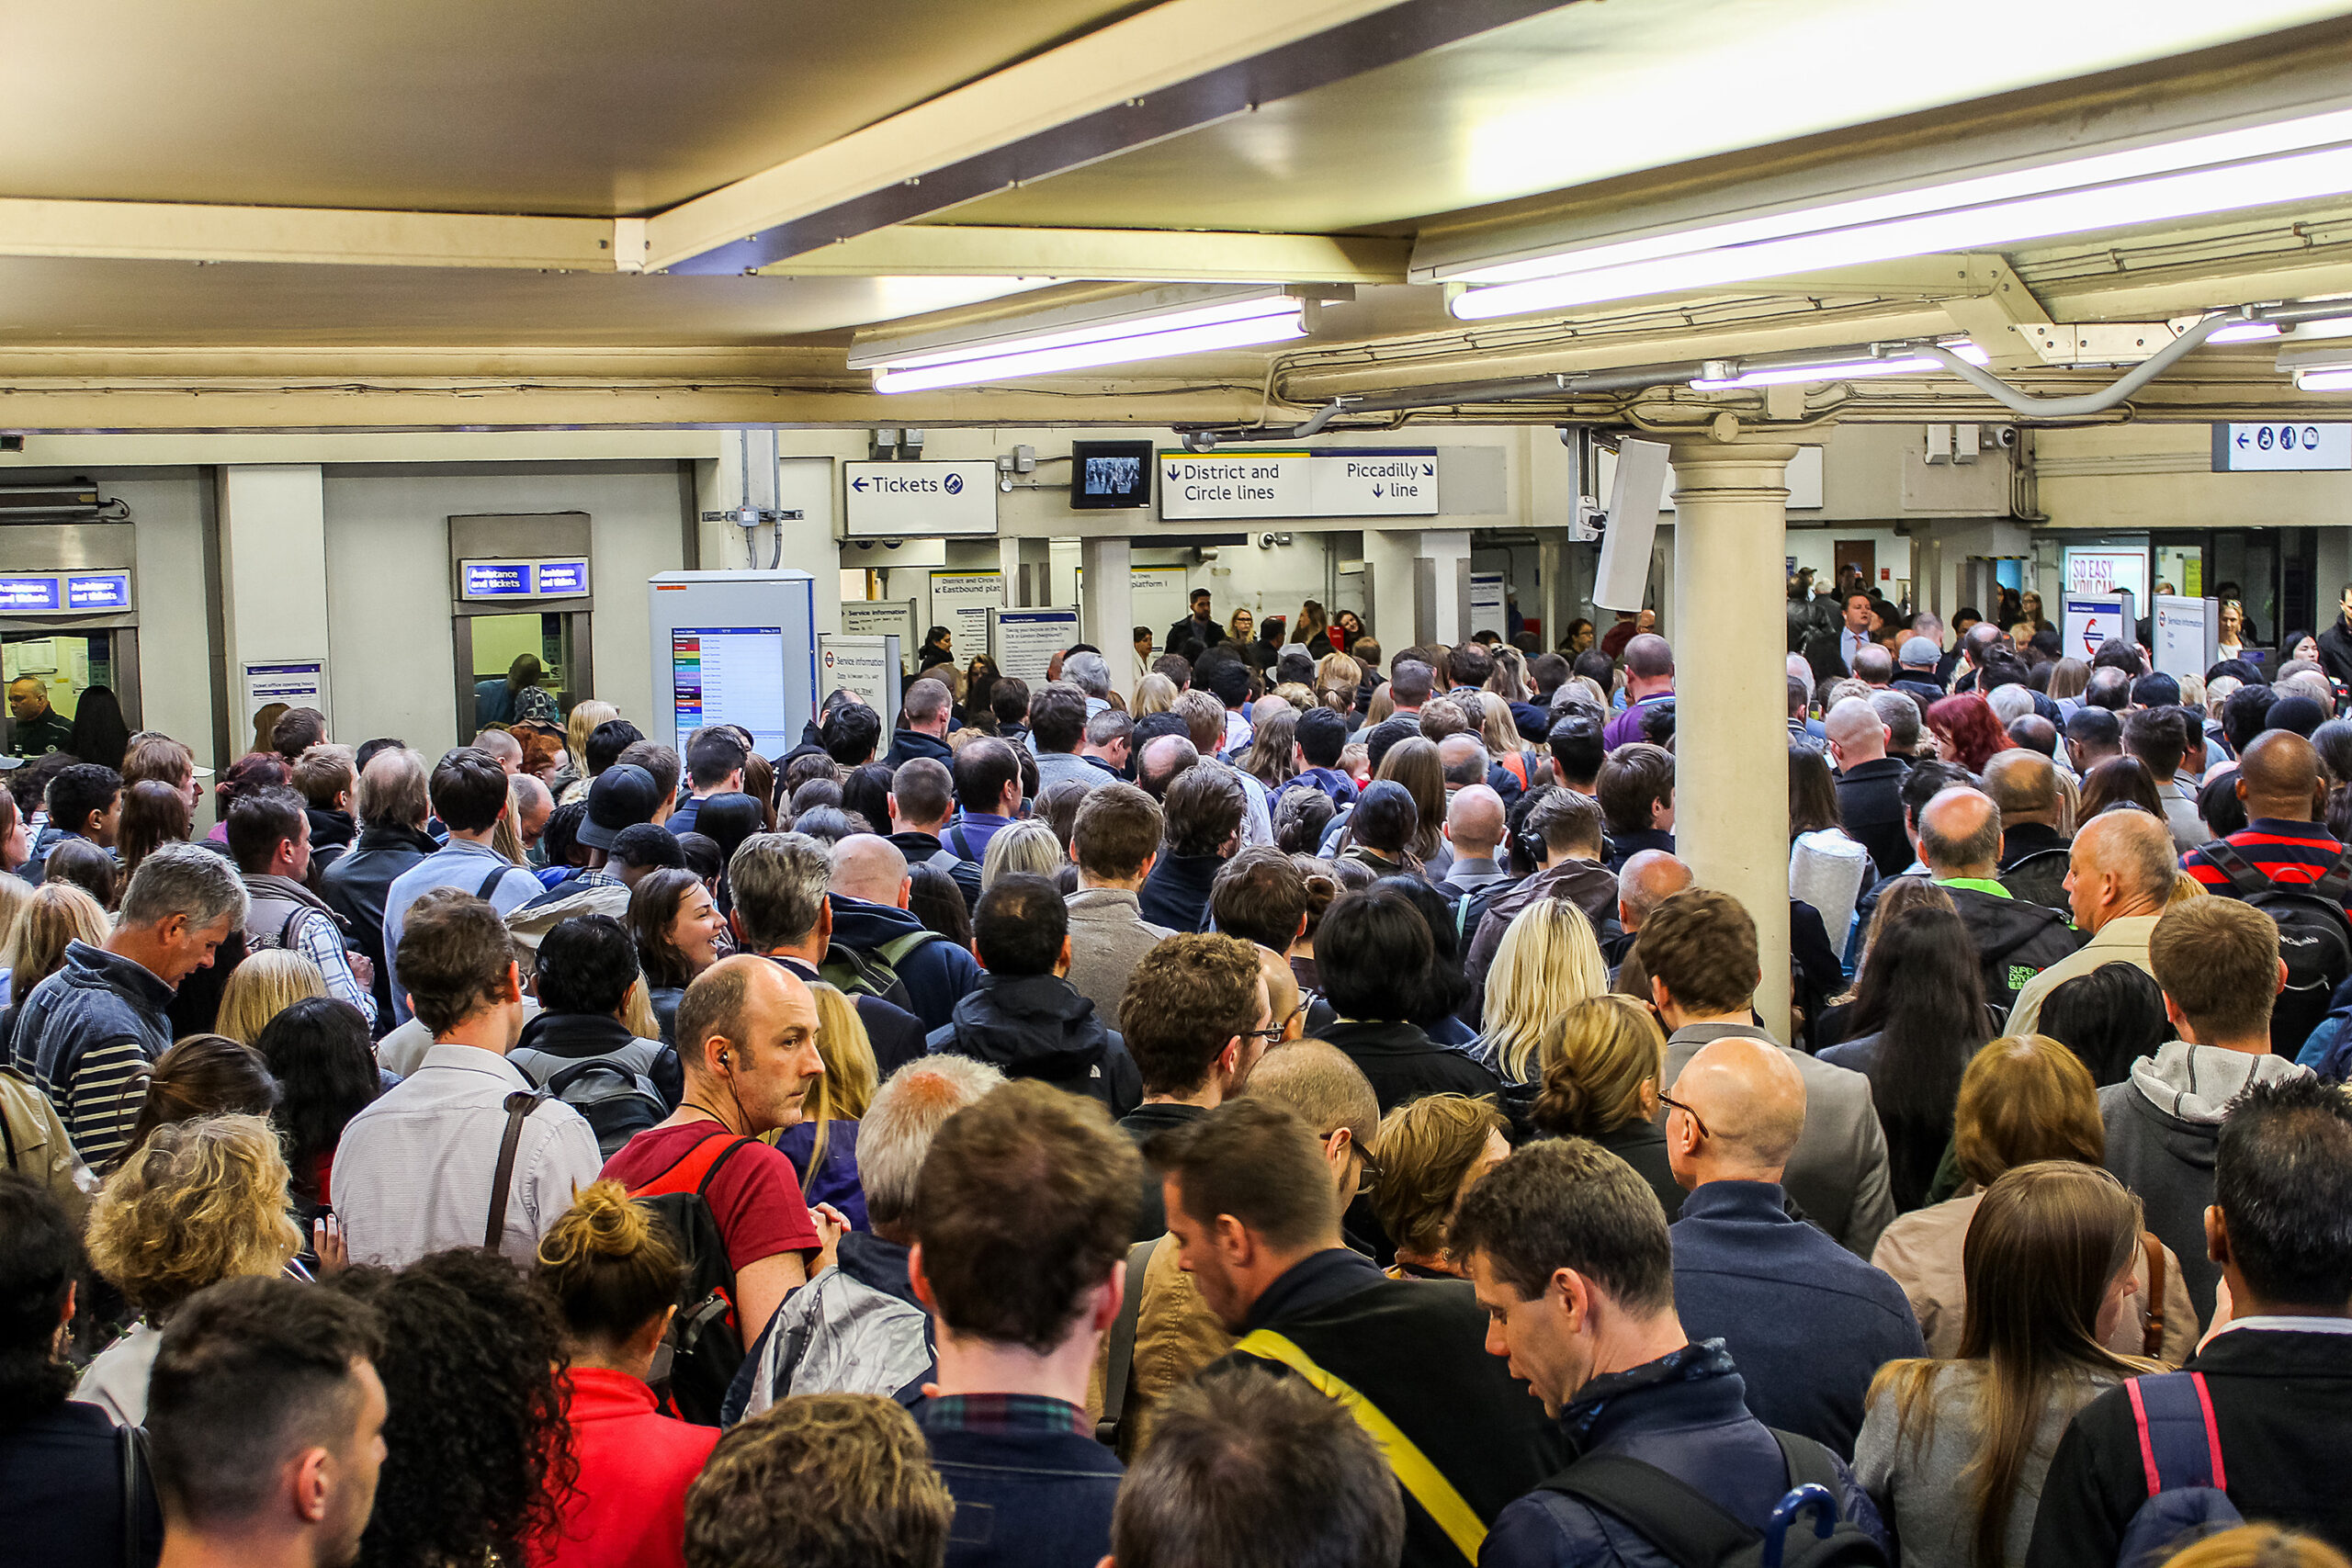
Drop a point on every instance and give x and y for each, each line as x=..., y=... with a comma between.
x=1701, y=952
x=1831, y=654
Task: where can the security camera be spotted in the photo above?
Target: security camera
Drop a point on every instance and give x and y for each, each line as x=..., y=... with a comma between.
x=1200, y=441
x=2006, y=434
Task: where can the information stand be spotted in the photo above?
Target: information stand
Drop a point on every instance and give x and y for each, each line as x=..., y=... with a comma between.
x=866, y=665
x=734, y=648
x=2187, y=633
x=2092, y=618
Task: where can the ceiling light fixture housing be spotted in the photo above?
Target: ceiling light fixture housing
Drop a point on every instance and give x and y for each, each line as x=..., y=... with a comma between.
x=1155, y=324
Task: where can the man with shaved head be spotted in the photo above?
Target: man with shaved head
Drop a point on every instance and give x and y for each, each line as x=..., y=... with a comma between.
x=1646, y=881
x=1870, y=784
x=2121, y=871
x=869, y=888
x=1807, y=1322
x=2024, y=784
x=1473, y=826
x=1960, y=844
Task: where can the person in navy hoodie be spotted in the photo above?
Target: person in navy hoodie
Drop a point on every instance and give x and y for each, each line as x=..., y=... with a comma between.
x=1321, y=735
x=1022, y=1277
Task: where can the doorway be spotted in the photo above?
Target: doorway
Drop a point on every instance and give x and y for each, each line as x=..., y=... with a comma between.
x=1858, y=555
x=489, y=648
x=69, y=663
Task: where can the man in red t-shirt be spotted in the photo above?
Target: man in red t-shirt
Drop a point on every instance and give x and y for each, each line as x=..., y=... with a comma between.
x=747, y=1039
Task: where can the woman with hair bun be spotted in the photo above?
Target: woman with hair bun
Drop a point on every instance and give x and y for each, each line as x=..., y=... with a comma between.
x=614, y=1277
x=1604, y=1063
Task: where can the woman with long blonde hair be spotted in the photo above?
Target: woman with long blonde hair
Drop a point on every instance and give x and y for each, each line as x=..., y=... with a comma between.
x=57, y=915
x=199, y=1202
x=1549, y=960
x=1154, y=694
x=823, y=1147
x=1954, y=1451
x=264, y=984
x=578, y=725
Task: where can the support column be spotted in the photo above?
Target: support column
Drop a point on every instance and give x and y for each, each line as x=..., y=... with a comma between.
x=1388, y=608
x=1106, y=610
x=1420, y=586
x=1552, y=598
x=273, y=578
x=1447, y=578
x=1731, y=816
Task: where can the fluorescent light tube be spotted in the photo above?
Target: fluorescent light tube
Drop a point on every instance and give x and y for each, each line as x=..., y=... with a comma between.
x=2245, y=332
x=1836, y=370
x=1007, y=362
x=2258, y=166
x=1116, y=329
x=2335, y=381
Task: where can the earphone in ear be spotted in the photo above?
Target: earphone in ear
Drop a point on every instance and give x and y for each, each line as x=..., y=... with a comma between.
x=725, y=1060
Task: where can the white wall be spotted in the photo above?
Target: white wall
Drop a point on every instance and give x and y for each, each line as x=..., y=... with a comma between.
x=167, y=508
x=387, y=582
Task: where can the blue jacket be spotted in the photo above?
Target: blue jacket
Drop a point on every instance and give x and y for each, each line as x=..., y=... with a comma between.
x=938, y=974
x=1027, y=1494
x=1809, y=1322
x=1685, y=1412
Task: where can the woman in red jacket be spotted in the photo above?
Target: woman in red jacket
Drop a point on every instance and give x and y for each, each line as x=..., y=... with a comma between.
x=614, y=1277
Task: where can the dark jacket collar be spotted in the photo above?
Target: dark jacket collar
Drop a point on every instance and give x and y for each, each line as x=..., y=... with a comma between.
x=878, y=1264
x=393, y=836
x=578, y=1035
x=91, y=967
x=1877, y=768
x=1379, y=1036
x=1739, y=1202
x=1695, y=1386
x=1315, y=1281
x=2028, y=839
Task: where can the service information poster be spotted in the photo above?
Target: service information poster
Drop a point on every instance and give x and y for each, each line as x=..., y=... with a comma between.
x=961, y=601
x=297, y=682
x=866, y=665
x=883, y=617
x=1026, y=642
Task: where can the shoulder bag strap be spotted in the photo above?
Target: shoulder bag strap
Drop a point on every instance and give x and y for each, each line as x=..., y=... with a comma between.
x=490, y=883
x=2152, y=1339
x=1122, y=1361
x=2243, y=877
x=1810, y=1464
x=1421, y=1479
x=2180, y=1445
x=895, y=950
x=8, y=1134
x=710, y=1172
x=2336, y=882
x=519, y=1106
x=131, y=1440
x=1687, y=1527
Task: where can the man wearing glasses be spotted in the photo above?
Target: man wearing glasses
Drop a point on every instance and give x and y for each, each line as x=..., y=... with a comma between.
x=1701, y=951
x=1198, y=1017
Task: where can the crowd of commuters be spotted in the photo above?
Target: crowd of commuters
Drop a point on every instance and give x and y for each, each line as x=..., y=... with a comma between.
x=1290, y=1108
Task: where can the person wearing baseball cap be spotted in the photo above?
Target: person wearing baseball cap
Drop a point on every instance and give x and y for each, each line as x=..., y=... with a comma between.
x=623, y=796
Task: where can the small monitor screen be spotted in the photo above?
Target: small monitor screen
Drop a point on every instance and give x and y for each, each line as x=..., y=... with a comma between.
x=730, y=675
x=1110, y=475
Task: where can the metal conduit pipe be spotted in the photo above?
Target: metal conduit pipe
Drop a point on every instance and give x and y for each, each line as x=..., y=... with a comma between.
x=1441, y=396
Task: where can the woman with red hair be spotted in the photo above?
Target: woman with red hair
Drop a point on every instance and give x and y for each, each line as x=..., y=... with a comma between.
x=1966, y=731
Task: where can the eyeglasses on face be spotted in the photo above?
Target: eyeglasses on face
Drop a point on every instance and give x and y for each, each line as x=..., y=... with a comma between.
x=1673, y=1104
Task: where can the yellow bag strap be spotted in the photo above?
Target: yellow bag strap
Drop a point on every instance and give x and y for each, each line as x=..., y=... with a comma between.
x=1427, y=1484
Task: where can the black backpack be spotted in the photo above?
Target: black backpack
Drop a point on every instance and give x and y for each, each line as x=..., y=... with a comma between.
x=704, y=1348
x=618, y=1103
x=1690, y=1531
x=873, y=971
x=2314, y=937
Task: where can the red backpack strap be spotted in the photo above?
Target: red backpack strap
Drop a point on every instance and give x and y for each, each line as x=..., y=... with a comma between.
x=692, y=1172
x=2179, y=1443
x=1516, y=765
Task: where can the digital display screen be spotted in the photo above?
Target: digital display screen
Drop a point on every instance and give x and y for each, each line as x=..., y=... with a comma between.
x=1106, y=475
x=99, y=591
x=730, y=675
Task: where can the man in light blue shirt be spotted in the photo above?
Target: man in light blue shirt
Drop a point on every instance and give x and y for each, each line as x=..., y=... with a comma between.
x=469, y=793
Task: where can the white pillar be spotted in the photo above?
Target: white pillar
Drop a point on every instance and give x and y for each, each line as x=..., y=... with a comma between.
x=1388, y=558
x=273, y=577
x=1106, y=612
x=1448, y=554
x=1731, y=814
x=1551, y=600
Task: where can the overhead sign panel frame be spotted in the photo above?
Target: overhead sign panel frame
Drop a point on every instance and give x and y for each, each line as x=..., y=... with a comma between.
x=1296, y=482
x=918, y=500
x=498, y=580
x=2282, y=446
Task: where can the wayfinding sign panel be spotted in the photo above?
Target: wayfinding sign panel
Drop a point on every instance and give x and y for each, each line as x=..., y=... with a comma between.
x=1356, y=483
x=897, y=500
x=2287, y=446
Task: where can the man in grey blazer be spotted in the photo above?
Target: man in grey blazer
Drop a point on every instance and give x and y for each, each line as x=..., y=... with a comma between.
x=1700, y=950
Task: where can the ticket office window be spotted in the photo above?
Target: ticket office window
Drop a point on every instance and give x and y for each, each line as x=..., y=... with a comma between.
x=491, y=645
x=68, y=663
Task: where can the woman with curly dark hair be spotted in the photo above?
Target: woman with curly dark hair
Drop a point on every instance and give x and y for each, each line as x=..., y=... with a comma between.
x=319, y=1052
x=478, y=1455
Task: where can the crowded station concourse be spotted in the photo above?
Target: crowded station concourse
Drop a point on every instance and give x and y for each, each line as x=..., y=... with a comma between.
x=940, y=808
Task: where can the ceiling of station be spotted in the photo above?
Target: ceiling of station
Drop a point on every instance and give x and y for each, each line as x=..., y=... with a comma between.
x=482, y=179
x=603, y=107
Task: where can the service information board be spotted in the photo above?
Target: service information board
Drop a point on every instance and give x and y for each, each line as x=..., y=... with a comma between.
x=866, y=665
x=961, y=601
x=2284, y=446
x=1025, y=641
x=2091, y=619
x=1488, y=612
x=1366, y=481
x=297, y=682
x=2187, y=633
x=882, y=618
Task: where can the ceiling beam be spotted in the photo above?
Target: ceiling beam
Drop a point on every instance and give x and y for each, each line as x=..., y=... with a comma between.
x=1122, y=255
x=1173, y=68
x=154, y=231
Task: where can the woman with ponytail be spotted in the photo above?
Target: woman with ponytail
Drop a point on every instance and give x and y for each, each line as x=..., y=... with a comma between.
x=1604, y=1062
x=614, y=1277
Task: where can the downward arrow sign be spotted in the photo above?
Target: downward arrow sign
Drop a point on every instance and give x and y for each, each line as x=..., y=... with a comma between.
x=1172, y=473
x=857, y=484
x=1375, y=490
